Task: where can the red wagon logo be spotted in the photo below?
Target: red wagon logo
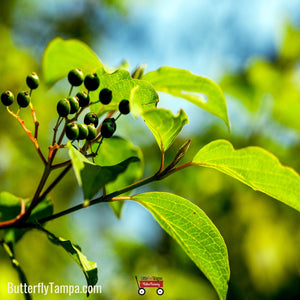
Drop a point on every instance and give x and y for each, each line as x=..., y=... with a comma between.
x=150, y=282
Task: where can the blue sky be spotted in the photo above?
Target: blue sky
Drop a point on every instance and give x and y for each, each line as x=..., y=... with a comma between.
x=206, y=37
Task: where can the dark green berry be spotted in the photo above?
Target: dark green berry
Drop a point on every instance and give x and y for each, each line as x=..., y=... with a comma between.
x=32, y=81
x=91, y=118
x=83, y=98
x=83, y=131
x=91, y=82
x=7, y=98
x=108, y=127
x=63, y=107
x=74, y=104
x=23, y=99
x=105, y=96
x=92, y=132
x=72, y=131
x=124, y=107
x=75, y=77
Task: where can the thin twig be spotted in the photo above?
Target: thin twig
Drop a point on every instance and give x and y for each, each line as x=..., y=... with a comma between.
x=29, y=134
x=120, y=198
x=114, y=195
x=36, y=198
x=55, y=129
x=60, y=165
x=99, y=144
x=36, y=123
x=70, y=92
x=162, y=162
x=56, y=181
x=101, y=199
x=9, y=223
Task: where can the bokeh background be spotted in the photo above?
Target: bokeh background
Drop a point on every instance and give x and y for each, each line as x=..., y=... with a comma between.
x=252, y=49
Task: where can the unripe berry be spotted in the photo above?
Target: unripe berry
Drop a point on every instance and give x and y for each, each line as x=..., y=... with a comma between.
x=7, y=98
x=23, y=99
x=124, y=107
x=32, y=81
x=72, y=131
x=74, y=104
x=92, y=132
x=83, y=98
x=91, y=82
x=63, y=107
x=91, y=118
x=108, y=127
x=75, y=77
x=105, y=96
x=83, y=131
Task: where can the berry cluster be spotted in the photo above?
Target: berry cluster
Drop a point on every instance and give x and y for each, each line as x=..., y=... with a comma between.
x=89, y=130
x=70, y=108
x=24, y=97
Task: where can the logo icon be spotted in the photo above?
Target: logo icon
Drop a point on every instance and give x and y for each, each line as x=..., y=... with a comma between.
x=151, y=282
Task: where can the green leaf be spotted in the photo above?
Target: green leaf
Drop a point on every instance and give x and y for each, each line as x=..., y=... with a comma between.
x=91, y=177
x=184, y=84
x=42, y=210
x=141, y=94
x=194, y=232
x=89, y=268
x=142, y=98
x=113, y=151
x=61, y=56
x=10, y=208
x=255, y=167
x=164, y=125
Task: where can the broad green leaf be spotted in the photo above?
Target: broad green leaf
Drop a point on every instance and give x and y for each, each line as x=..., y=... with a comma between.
x=61, y=56
x=164, y=125
x=255, y=167
x=142, y=98
x=91, y=177
x=42, y=210
x=141, y=94
x=290, y=49
x=184, y=84
x=194, y=232
x=113, y=151
x=89, y=268
x=10, y=208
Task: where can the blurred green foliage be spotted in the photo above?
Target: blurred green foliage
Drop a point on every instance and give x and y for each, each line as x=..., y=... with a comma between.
x=261, y=234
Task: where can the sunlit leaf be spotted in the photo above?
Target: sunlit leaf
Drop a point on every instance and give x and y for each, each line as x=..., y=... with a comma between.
x=89, y=268
x=194, y=232
x=141, y=94
x=165, y=126
x=113, y=151
x=61, y=56
x=201, y=91
x=91, y=177
x=290, y=49
x=255, y=167
x=10, y=206
x=142, y=98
